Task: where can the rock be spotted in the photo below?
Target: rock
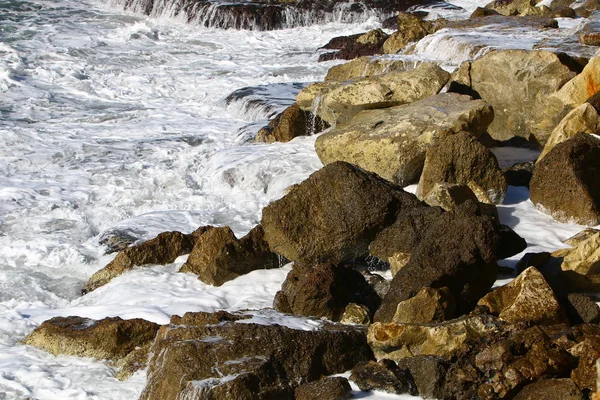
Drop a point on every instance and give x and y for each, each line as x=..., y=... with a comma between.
x=562, y=12
x=583, y=118
x=410, y=29
x=585, y=346
x=427, y=306
x=516, y=7
x=580, y=263
x=519, y=174
x=455, y=251
x=349, y=47
x=517, y=83
x=117, y=240
x=392, y=142
x=356, y=314
x=550, y=389
x=218, y=256
x=583, y=86
x=113, y=339
x=461, y=159
x=582, y=310
x=532, y=260
x=449, y=195
x=163, y=249
x=481, y=12
x=329, y=388
x=333, y=215
x=528, y=298
x=446, y=340
x=384, y=376
x=377, y=282
x=565, y=182
x=589, y=38
x=324, y=290
x=291, y=123
x=363, y=67
x=233, y=360
x=339, y=102
x=428, y=373
x=510, y=243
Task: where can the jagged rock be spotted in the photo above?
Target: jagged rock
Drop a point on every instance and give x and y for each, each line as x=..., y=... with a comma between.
x=518, y=7
x=457, y=251
x=247, y=360
x=550, y=389
x=461, y=159
x=528, y=298
x=218, y=256
x=329, y=388
x=532, y=260
x=579, y=264
x=163, y=249
x=333, y=215
x=517, y=83
x=582, y=310
x=583, y=86
x=565, y=182
x=583, y=342
x=428, y=373
x=427, y=306
x=377, y=282
x=133, y=362
x=324, y=291
x=410, y=29
x=448, y=195
x=357, y=314
x=481, y=12
x=519, y=174
x=349, y=47
x=392, y=142
x=583, y=118
x=363, y=67
x=113, y=339
x=291, y=123
x=340, y=101
x=383, y=376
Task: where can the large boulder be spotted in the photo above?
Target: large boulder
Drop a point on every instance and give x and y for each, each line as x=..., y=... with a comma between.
x=234, y=360
x=581, y=87
x=410, y=29
x=291, y=123
x=565, y=182
x=462, y=159
x=427, y=306
x=428, y=373
x=218, y=256
x=338, y=102
x=392, y=142
x=333, y=215
x=163, y=249
x=580, y=263
x=366, y=66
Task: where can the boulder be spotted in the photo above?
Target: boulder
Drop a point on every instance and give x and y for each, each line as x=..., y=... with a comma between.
x=234, y=360
x=163, y=249
x=581, y=309
x=514, y=7
x=583, y=118
x=328, y=388
x=551, y=389
x=392, y=142
x=349, y=47
x=333, y=215
x=339, y=102
x=325, y=291
x=448, y=195
x=384, y=376
x=519, y=174
x=410, y=29
x=291, y=123
x=461, y=159
x=583, y=342
x=218, y=256
x=517, y=83
x=510, y=242
x=583, y=86
x=579, y=264
x=565, y=182
x=528, y=298
x=356, y=314
x=363, y=67
x=113, y=339
x=427, y=306
x=428, y=373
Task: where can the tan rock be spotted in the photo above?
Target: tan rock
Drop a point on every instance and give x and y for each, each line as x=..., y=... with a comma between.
x=528, y=298
x=373, y=36
x=289, y=124
x=427, y=306
x=392, y=142
x=366, y=66
x=581, y=263
x=583, y=86
x=516, y=7
x=410, y=29
x=357, y=314
x=583, y=118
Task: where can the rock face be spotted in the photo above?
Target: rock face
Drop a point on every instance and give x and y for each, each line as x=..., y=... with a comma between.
x=461, y=159
x=551, y=389
x=163, y=249
x=427, y=306
x=582, y=309
x=363, y=67
x=324, y=291
x=333, y=215
x=565, y=182
x=338, y=102
x=329, y=388
x=218, y=256
x=580, y=263
x=516, y=83
x=291, y=123
x=392, y=142
x=528, y=298
x=384, y=376
x=113, y=339
x=233, y=360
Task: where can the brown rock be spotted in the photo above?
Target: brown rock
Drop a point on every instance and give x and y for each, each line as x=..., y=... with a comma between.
x=428, y=373
x=383, y=376
x=427, y=306
x=583, y=86
x=519, y=174
x=329, y=388
x=349, y=47
x=356, y=314
x=580, y=263
x=366, y=66
x=582, y=309
x=410, y=29
x=550, y=389
x=291, y=123
x=449, y=195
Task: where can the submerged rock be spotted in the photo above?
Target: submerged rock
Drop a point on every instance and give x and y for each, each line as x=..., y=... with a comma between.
x=289, y=124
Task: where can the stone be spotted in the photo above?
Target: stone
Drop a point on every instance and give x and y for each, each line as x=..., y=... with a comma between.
x=550, y=389
x=333, y=215
x=580, y=88
x=528, y=298
x=461, y=159
x=562, y=12
x=366, y=66
x=583, y=118
x=519, y=174
x=349, y=47
x=356, y=314
x=112, y=339
x=510, y=243
x=410, y=29
x=579, y=264
x=324, y=291
x=291, y=123
x=517, y=83
x=339, y=102
x=565, y=182
x=583, y=343
x=234, y=360
x=532, y=260
x=481, y=12
x=384, y=376
x=449, y=195
x=582, y=309
x=218, y=256
x=161, y=250
x=428, y=373
x=329, y=388
x=427, y=306
x=589, y=38
x=392, y=142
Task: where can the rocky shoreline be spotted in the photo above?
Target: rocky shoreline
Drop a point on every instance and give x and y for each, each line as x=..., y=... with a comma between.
x=438, y=329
